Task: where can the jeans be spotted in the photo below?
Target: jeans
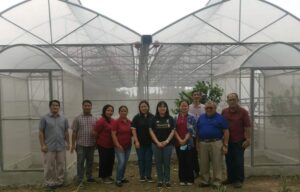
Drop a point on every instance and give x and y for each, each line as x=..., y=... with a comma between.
x=144, y=154
x=163, y=161
x=84, y=155
x=122, y=158
x=235, y=162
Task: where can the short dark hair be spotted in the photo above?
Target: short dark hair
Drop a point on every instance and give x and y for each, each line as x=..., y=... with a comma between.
x=146, y=102
x=159, y=104
x=196, y=90
x=123, y=106
x=235, y=94
x=54, y=101
x=87, y=101
x=183, y=101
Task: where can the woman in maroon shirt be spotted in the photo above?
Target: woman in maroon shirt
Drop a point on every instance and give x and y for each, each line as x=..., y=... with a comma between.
x=105, y=144
x=121, y=135
x=185, y=125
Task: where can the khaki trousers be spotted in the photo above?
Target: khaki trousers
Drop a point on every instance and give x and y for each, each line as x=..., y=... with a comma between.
x=211, y=154
x=54, y=168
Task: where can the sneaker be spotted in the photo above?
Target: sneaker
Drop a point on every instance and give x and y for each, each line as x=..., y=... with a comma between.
x=119, y=184
x=168, y=185
x=149, y=179
x=237, y=185
x=159, y=184
x=91, y=180
x=142, y=179
x=125, y=181
x=182, y=184
x=189, y=184
x=107, y=180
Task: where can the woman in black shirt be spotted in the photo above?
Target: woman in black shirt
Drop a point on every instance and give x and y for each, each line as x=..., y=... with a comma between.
x=140, y=130
x=162, y=132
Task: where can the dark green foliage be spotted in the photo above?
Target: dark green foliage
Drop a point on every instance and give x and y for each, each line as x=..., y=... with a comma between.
x=209, y=92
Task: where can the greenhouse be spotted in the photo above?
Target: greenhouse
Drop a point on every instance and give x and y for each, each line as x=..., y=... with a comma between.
x=65, y=51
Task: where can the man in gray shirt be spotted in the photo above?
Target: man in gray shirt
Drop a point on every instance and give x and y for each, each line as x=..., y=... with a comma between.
x=54, y=141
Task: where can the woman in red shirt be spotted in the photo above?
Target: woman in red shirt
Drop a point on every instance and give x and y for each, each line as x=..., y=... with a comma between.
x=185, y=125
x=105, y=144
x=121, y=135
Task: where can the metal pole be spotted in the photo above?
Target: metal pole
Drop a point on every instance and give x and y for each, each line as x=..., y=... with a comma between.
x=82, y=73
x=252, y=113
x=50, y=85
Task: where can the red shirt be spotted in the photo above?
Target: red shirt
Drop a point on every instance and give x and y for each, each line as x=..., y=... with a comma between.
x=103, y=130
x=123, y=132
x=181, y=127
x=238, y=120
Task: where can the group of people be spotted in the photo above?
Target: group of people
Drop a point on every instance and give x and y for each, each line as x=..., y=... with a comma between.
x=198, y=130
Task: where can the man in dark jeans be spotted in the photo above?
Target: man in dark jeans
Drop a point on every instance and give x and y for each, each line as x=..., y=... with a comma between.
x=239, y=140
x=196, y=109
x=83, y=141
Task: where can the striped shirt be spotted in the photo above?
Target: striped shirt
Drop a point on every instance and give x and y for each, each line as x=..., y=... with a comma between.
x=196, y=111
x=83, y=125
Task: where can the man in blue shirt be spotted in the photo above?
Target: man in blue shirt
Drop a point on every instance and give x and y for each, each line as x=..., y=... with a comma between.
x=213, y=134
x=54, y=140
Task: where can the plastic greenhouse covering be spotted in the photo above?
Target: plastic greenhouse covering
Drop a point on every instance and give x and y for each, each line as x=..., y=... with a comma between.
x=65, y=51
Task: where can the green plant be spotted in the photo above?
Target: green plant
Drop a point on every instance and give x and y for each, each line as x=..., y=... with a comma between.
x=284, y=185
x=209, y=92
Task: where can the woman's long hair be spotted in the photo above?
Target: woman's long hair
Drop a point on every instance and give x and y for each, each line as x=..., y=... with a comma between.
x=147, y=103
x=104, y=110
x=160, y=104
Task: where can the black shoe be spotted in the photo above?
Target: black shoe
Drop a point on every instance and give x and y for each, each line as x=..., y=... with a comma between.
x=237, y=185
x=159, y=184
x=168, y=185
x=149, y=179
x=91, y=180
x=142, y=179
x=125, y=181
x=119, y=184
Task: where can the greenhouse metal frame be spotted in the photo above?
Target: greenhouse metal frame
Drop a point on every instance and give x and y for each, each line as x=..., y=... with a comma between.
x=117, y=65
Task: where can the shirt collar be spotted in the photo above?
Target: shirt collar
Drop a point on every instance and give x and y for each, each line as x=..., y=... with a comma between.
x=52, y=115
x=231, y=110
x=82, y=114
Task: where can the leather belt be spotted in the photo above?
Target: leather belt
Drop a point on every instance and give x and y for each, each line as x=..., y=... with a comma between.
x=209, y=140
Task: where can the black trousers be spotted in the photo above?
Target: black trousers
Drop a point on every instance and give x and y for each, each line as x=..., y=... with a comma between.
x=185, y=163
x=195, y=161
x=106, y=161
x=235, y=162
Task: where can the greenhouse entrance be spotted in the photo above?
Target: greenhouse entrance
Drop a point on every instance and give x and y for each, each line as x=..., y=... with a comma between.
x=24, y=97
x=276, y=117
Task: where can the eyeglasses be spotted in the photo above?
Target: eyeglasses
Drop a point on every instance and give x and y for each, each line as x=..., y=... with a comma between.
x=208, y=107
x=231, y=99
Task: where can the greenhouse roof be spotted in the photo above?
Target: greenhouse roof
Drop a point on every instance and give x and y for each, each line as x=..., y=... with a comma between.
x=193, y=48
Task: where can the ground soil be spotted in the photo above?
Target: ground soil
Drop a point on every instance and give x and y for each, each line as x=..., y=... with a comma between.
x=252, y=184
